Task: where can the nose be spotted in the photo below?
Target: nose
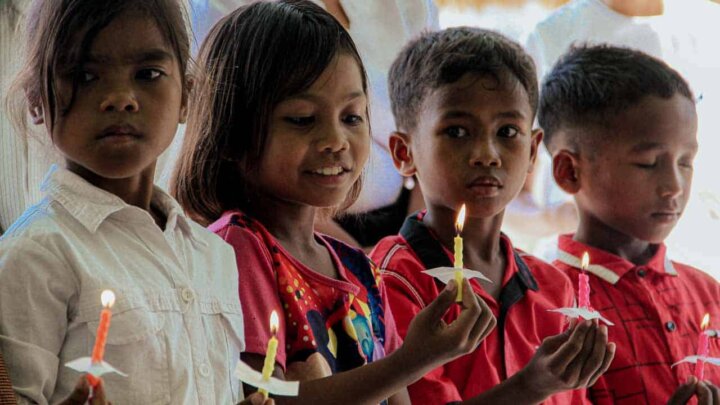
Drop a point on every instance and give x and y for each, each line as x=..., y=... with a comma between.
x=119, y=99
x=485, y=153
x=672, y=183
x=333, y=139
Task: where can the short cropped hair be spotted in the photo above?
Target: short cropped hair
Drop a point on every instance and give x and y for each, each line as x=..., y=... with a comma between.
x=439, y=58
x=589, y=85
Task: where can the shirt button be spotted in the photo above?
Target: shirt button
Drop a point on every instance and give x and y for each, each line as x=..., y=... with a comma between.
x=204, y=370
x=642, y=273
x=187, y=294
x=670, y=326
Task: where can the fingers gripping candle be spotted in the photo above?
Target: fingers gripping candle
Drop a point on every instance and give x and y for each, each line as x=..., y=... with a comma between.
x=269, y=365
x=108, y=299
x=459, y=253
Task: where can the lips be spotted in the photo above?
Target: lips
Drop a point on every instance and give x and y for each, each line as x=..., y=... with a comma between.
x=666, y=216
x=333, y=169
x=486, y=181
x=122, y=130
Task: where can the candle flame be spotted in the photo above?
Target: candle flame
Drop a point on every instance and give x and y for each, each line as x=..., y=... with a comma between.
x=107, y=298
x=705, y=322
x=274, y=322
x=460, y=220
x=585, y=261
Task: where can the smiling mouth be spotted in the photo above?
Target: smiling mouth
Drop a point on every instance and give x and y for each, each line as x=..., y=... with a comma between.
x=329, y=171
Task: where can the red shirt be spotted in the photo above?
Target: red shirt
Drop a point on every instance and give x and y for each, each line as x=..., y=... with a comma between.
x=530, y=288
x=6, y=392
x=346, y=320
x=657, y=309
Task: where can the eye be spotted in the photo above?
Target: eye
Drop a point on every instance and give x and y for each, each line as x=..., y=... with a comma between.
x=456, y=132
x=148, y=74
x=686, y=164
x=646, y=165
x=86, y=77
x=352, y=119
x=508, y=132
x=300, y=121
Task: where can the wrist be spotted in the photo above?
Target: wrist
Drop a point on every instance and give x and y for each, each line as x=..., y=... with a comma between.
x=415, y=365
x=535, y=393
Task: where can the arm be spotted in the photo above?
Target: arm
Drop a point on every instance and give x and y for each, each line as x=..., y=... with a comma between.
x=429, y=343
x=36, y=289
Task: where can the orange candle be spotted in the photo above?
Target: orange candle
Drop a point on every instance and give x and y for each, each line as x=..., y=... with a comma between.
x=703, y=348
x=108, y=299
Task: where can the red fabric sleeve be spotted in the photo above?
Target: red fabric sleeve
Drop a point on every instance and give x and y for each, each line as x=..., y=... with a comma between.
x=258, y=291
x=435, y=387
x=392, y=338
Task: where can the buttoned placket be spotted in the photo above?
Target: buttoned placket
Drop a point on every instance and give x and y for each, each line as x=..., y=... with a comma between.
x=644, y=281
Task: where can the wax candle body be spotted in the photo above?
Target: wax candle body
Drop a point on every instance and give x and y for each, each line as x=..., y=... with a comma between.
x=703, y=348
x=269, y=365
x=458, y=266
x=583, y=291
x=102, y=333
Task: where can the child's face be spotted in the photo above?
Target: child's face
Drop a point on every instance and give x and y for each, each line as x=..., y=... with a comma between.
x=638, y=180
x=318, y=140
x=473, y=144
x=128, y=104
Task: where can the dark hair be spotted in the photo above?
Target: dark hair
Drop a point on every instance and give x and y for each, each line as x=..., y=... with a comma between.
x=251, y=60
x=590, y=84
x=439, y=58
x=59, y=34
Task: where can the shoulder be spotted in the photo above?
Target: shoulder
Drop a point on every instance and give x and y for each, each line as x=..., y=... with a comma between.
x=46, y=224
x=695, y=278
x=550, y=279
x=393, y=255
x=565, y=16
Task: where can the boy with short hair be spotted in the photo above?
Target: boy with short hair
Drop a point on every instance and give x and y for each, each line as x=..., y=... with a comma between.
x=621, y=127
x=464, y=101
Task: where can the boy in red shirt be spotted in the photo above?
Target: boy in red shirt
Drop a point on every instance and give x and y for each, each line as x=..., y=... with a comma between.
x=464, y=101
x=621, y=128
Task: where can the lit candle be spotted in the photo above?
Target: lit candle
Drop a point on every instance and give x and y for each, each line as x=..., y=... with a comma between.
x=269, y=365
x=107, y=298
x=703, y=348
x=459, y=252
x=584, y=283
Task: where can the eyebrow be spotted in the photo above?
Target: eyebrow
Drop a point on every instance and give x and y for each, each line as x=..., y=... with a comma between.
x=512, y=114
x=650, y=146
x=144, y=56
x=314, y=97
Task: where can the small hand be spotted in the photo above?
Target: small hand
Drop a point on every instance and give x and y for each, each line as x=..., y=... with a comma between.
x=433, y=342
x=573, y=359
x=81, y=394
x=256, y=399
x=705, y=391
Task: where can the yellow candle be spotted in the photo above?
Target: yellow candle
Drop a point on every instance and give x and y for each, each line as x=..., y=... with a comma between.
x=459, y=253
x=269, y=365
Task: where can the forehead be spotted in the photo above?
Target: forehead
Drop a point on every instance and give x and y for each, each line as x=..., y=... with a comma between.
x=655, y=123
x=481, y=93
x=130, y=36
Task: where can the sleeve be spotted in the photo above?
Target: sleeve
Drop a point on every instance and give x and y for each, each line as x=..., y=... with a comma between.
x=392, y=338
x=406, y=301
x=36, y=290
x=258, y=291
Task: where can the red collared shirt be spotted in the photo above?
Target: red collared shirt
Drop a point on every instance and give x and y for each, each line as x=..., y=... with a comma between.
x=657, y=309
x=530, y=288
x=7, y=396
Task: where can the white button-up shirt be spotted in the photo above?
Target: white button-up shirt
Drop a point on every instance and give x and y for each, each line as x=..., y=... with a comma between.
x=177, y=326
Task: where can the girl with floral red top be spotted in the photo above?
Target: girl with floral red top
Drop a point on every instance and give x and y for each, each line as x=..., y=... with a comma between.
x=278, y=136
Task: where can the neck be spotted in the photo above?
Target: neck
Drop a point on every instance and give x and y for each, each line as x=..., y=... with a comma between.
x=292, y=224
x=637, y=8
x=135, y=190
x=597, y=234
x=481, y=236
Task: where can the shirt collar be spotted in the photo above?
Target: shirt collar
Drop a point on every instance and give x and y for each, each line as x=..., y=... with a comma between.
x=608, y=266
x=91, y=205
x=432, y=253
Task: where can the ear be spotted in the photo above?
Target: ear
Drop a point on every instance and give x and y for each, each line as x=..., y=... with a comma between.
x=189, y=84
x=401, y=153
x=37, y=115
x=566, y=170
x=535, y=140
